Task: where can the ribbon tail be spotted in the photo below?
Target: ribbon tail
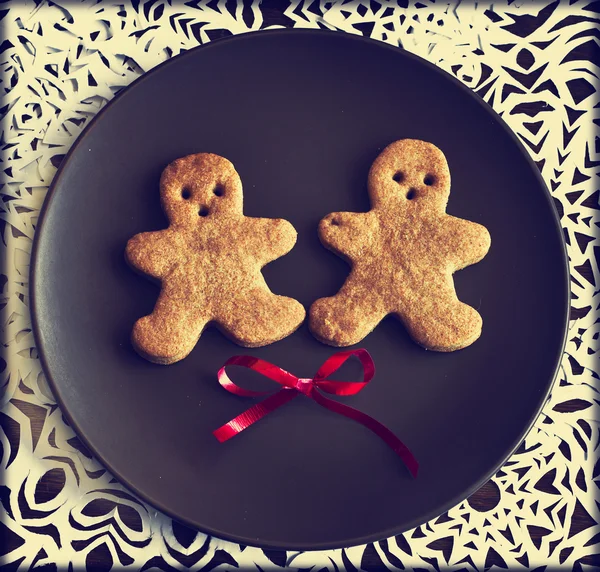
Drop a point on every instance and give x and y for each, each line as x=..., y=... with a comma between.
x=254, y=414
x=380, y=430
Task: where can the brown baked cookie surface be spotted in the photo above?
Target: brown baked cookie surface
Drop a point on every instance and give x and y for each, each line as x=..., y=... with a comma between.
x=403, y=253
x=208, y=262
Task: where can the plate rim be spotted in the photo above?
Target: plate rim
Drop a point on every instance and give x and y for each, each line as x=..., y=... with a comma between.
x=299, y=546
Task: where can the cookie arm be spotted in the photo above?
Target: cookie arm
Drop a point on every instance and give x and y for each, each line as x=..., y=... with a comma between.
x=269, y=238
x=466, y=242
x=151, y=252
x=346, y=234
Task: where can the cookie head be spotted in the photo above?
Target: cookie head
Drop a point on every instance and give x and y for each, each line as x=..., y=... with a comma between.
x=199, y=187
x=410, y=173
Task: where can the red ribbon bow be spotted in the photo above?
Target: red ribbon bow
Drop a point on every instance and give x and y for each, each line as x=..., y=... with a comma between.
x=293, y=386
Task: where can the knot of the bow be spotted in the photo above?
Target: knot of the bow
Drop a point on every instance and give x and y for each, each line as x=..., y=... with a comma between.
x=304, y=385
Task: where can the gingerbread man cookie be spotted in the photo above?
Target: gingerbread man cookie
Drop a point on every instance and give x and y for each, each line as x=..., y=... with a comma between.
x=208, y=262
x=403, y=253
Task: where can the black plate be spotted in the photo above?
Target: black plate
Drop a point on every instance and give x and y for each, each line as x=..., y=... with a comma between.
x=302, y=114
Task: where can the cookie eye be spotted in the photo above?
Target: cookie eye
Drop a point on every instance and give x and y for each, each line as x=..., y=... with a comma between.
x=186, y=194
x=219, y=191
x=398, y=176
x=411, y=194
x=203, y=211
x=429, y=180
x=335, y=222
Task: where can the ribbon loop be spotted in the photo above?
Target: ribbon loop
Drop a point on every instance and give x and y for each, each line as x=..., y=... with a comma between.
x=293, y=386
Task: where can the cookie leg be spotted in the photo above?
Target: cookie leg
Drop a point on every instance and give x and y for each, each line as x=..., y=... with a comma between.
x=170, y=333
x=441, y=322
x=346, y=318
x=258, y=317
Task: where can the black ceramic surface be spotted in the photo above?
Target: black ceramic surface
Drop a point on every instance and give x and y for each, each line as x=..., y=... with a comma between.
x=301, y=115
